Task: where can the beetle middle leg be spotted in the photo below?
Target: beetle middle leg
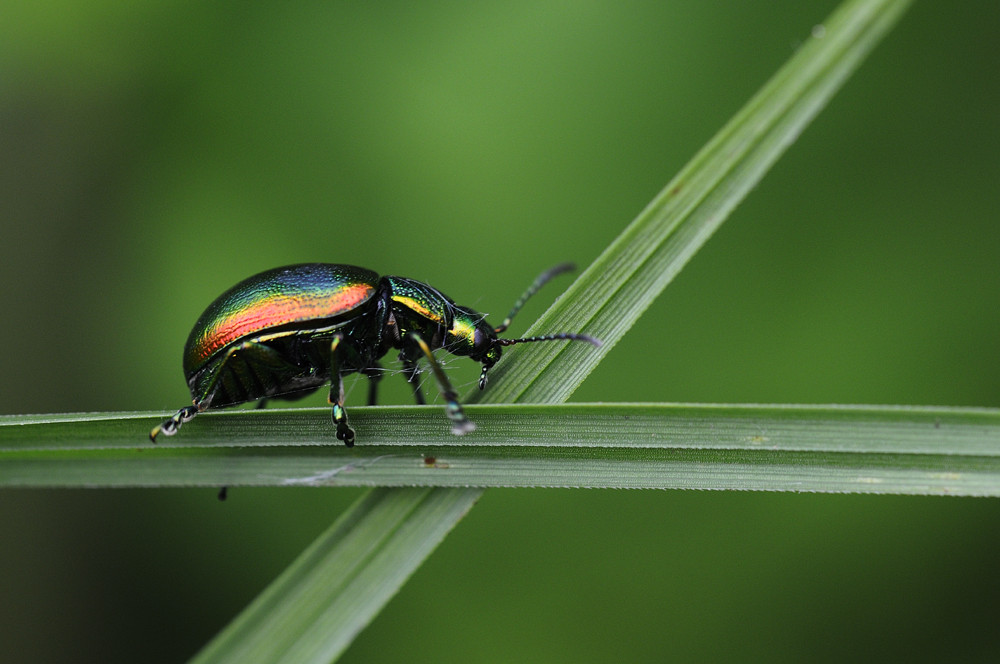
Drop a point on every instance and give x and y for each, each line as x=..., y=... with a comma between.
x=374, y=374
x=460, y=424
x=336, y=399
x=412, y=373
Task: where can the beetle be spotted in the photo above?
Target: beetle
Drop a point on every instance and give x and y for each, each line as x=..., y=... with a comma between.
x=286, y=332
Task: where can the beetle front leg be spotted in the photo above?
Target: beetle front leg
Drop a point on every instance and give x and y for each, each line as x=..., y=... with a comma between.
x=169, y=426
x=460, y=425
x=336, y=399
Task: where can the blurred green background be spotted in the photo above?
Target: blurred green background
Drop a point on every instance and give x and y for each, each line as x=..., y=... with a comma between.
x=155, y=154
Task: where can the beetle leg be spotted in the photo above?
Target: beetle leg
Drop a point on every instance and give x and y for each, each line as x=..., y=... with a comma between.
x=203, y=400
x=460, y=425
x=412, y=373
x=374, y=374
x=169, y=426
x=252, y=349
x=336, y=399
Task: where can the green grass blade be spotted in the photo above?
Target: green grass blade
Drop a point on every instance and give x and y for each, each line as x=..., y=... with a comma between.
x=312, y=612
x=605, y=301
x=866, y=449
x=617, y=288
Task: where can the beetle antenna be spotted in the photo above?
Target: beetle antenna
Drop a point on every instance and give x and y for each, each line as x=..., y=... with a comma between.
x=567, y=336
x=552, y=337
x=542, y=279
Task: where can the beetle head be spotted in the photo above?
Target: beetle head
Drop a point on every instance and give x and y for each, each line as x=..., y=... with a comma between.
x=470, y=334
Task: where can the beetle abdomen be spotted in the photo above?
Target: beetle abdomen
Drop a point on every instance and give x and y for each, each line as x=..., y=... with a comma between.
x=279, y=297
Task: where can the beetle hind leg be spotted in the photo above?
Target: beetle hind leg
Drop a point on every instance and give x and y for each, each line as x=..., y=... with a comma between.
x=170, y=426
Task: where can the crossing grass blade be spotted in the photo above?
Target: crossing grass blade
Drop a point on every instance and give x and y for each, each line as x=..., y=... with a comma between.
x=611, y=294
x=604, y=302
x=312, y=612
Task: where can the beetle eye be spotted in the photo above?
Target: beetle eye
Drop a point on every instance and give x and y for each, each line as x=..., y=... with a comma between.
x=483, y=340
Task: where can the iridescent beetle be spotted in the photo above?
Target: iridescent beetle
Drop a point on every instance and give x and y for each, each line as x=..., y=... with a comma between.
x=287, y=332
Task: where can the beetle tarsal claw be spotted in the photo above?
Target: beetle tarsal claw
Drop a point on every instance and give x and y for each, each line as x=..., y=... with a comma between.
x=346, y=434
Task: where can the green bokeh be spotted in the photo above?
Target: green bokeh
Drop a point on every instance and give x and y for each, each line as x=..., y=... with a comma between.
x=155, y=155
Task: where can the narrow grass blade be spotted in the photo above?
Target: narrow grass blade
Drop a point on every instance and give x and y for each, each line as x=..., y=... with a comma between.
x=312, y=612
x=617, y=288
x=869, y=449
